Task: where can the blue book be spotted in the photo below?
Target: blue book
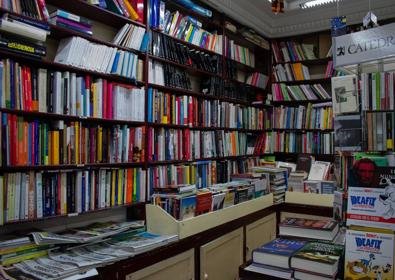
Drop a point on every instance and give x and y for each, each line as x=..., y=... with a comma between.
x=131, y=71
x=187, y=207
x=83, y=97
x=196, y=8
x=144, y=42
x=137, y=186
x=102, y=4
x=29, y=143
x=115, y=64
x=182, y=112
x=277, y=252
x=150, y=92
x=125, y=64
x=155, y=13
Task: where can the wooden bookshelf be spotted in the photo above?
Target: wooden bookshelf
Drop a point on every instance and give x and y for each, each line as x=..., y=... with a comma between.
x=300, y=102
x=299, y=130
x=204, y=128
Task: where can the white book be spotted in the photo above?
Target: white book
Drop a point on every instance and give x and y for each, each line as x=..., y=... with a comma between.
x=25, y=195
x=108, y=189
x=17, y=196
x=73, y=94
x=318, y=170
x=120, y=63
x=24, y=30
x=120, y=34
x=42, y=90
x=57, y=95
x=125, y=64
x=39, y=195
x=345, y=94
x=110, y=62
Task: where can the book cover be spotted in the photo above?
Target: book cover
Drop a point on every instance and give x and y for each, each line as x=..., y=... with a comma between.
x=348, y=133
x=309, y=224
x=320, y=252
x=188, y=207
x=369, y=255
x=279, y=246
x=346, y=94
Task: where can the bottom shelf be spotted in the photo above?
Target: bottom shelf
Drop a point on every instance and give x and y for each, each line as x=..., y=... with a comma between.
x=160, y=222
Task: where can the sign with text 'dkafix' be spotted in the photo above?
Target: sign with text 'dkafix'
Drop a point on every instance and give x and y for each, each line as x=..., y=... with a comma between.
x=368, y=45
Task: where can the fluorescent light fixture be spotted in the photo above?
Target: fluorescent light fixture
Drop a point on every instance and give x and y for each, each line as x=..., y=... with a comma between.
x=314, y=3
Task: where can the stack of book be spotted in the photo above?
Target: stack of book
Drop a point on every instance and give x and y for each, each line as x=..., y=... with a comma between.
x=34, y=195
x=282, y=92
x=133, y=9
x=291, y=51
x=261, y=181
x=278, y=181
x=23, y=35
x=314, y=116
x=239, y=53
x=79, y=52
x=131, y=36
x=291, y=72
x=296, y=259
x=296, y=181
x=36, y=9
x=257, y=79
x=380, y=131
x=377, y=91
x=70, y=21
x=168, y=75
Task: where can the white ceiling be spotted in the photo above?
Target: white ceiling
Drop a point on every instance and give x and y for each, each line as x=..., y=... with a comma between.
x=258, y=15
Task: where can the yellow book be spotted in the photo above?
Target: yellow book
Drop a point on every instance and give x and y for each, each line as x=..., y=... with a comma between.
x=188, y=181
x=100, y=144
x=113, y=177
x=63, y=209
x=55, y=143
x=24, y=257
x=95, y=102
x=120, y=191
x=297, y=67
x=132, y=12
x=189, y=33
x=77, y=142
x=163, y=108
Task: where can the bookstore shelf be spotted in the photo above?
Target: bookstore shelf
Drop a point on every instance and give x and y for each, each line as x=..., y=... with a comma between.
x=82, y=8
x=180, y=91
x=307, y=62
x=59, y=32
x=134, y=204
x=160, y=222
x=302, y=82
x=43, y=63
x=239, y=38
x=248, y=85
x=299, y=102
x=312, y=199
x=190, y=45
x=190, y=69
x=41, y=115
x=329, y=157
x=18, y=168
x=204, y=128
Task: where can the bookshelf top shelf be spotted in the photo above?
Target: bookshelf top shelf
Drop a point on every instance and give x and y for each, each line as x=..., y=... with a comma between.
x=93, y=12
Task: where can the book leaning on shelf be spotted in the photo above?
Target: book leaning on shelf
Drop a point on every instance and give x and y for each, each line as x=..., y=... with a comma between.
x=239, y=53
x=131, y=36
x=133, y=9
x=35, y=143
x=291, y=51
x=79, y=52
x=67, y=93
x=34, y=195
x=291, y=72
x=282, y=92
x=70, y=21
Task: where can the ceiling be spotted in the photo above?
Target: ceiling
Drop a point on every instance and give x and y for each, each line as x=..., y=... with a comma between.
x=257, y=14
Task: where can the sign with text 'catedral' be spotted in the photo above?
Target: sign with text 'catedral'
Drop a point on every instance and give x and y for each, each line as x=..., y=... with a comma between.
x=363, y=46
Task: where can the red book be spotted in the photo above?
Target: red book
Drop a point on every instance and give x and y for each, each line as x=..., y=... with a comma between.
x=92, y=144
x=190, y=110
x=33, y=144
x=88, y=95
x=203, y=203
x=109, y=101
x=129, y=188
x=138, y=6
x=104, y=98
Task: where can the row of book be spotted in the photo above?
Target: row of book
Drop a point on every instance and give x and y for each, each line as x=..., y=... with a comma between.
x=176, y=144
x=34, y=195
x=132, y=37
x=274, y=178
x=380, y=131
x=200, y=173
x=186, y=28
x=42, y=90
x=314, y=116
x=257, y=79
x=291, y=51
x=164, y=74
x=79, y=52
x=27, y=142
x=239, y=53
x=31, y=8
x=185, y=110
x=291, y=72
x=377, y=91
x=291, y=142
x=70, y=21
x=133, y=9
x=168, y=48
x=282, y=92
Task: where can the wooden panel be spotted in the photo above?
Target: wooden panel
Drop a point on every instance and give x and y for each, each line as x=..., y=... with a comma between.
x=179, y=267
x=309, y=199
x=221, y=258
x=259, y=233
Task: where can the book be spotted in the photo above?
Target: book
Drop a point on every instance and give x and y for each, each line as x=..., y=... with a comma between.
x=277, y=253
x=270, y=270
x=318, y=257
x=187, y=207
x=324, y=229
x=369, y=254
x=345, y=95
x=348, y=133
x=319, y=170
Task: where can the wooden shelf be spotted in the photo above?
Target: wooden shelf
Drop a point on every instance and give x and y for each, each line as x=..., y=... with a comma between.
x=20, y=168
x=160, y=222
x=47, y=116
x=379, y=111
x=299, y=102
x=312, y=199
x=317, y=61
x=190, y=69
x=134, y=204
x=180, y=91
x=43, y=63
x=81, y=8
x=190, y=45
x=307, y=82
x=204, y=128
x=164, y=162
x=248, y=85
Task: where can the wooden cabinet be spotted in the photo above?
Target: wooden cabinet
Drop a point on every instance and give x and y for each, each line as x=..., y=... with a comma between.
x=179, y=267
x=259, y=233
x=220, y=259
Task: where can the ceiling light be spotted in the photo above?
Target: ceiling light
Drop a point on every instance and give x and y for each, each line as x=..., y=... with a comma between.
x=314, y=3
